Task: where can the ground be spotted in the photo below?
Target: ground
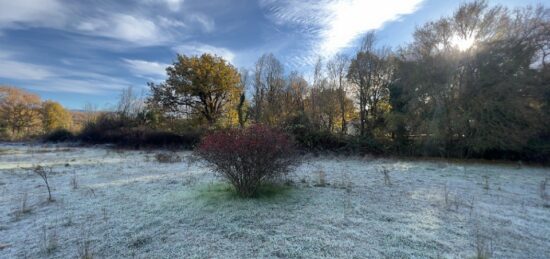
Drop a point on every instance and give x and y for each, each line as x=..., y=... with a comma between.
x=114, y=204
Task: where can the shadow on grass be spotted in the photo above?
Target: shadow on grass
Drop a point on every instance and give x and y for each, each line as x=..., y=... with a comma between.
x=225, y=191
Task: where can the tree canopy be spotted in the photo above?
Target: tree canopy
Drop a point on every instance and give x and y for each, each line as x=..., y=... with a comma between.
x=202, y=86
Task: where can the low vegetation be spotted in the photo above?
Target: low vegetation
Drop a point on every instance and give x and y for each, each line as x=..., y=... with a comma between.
x=44, y=173
x=249, y=158
x=127, y=204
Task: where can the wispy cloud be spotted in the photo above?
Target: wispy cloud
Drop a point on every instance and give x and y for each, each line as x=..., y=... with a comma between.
x=125, y=27
x=50, y=13
x=23, y=71
x=144, y=68
x=113, y=21
x=335, y=24
x=56, y=79
x=204, y=21
x=196, y=48
x=172, y=5
x=91, y=86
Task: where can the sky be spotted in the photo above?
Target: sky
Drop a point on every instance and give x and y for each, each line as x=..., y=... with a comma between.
x=87, y=51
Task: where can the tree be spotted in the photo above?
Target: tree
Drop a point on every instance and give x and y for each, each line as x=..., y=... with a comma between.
x=372, y=72
x=19, y=111
x=337, y=69
x=242, y=107
x=198, y=86
x=268, y=89
x=54, y=117
x=129, y=105
x=467, y=84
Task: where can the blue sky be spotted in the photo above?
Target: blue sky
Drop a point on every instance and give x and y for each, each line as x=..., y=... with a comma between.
x=78, y=52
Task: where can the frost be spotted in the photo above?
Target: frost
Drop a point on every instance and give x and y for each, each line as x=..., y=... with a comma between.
x=129, y=205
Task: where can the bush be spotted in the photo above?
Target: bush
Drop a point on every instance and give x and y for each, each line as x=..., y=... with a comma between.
x=109, y=129
x=59, y=135
x=250, y=157
x=313, y=140
x=168, y=157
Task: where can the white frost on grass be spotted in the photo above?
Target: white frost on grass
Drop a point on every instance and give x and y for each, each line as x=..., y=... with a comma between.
x=129, y=205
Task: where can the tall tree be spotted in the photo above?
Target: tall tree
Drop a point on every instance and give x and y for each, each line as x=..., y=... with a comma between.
x=243, y=107
x=268, y=88
x=371, y=71
x=467, y=82
x=337, y=70
x=198, y=86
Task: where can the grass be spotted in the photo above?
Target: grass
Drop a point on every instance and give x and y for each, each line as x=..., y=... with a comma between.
x=224, y=191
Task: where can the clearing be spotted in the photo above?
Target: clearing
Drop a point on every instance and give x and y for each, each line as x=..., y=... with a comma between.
x=114, y=204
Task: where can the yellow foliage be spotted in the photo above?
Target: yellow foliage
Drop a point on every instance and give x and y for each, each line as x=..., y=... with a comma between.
x=19, y=112
x=54, y=116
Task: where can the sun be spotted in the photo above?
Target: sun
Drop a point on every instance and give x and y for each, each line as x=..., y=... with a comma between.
x=462, y=43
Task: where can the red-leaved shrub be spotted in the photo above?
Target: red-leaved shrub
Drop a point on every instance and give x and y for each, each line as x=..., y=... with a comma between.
x=249, y=157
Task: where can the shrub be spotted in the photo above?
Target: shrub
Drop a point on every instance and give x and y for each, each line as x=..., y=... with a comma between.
x=168, y=157
x=249, y=157
x=112, y=130
x=59, y=135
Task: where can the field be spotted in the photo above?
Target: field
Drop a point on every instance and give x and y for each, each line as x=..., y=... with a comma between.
x=113, y=204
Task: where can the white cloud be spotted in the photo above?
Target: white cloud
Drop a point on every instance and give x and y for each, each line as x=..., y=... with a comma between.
x=173, y=5
x=23, y=71
x=167, y=22
x=139, y=30
x=138, y=27
x=146, y=68
x=198, y=49
x=50, y=13
x=204, y=21
x=55, y=79
x=335, y=24
x=81, y=86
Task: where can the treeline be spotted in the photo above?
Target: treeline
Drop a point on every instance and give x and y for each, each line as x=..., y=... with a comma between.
x=472, y=85
x=475, y=84
x=23, y=115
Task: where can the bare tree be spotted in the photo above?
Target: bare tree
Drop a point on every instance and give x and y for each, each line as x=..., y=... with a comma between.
x=242, y=110
x=371, y=71
x=268, y=86
x=337, y=70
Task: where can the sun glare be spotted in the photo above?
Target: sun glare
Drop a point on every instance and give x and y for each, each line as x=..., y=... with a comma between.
x=463, y=44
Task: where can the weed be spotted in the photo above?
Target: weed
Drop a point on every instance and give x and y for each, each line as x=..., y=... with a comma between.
x=140, y=241
x=449, y=202
x=486, y=182
x=49, y=241
x=483, y=246
x=23, y=208
x=84, y=247
x=446, y=195
x=69, y=222
x=386, y=173
x=168, y=157
x=347, y=185
x=104, y=211
x=74, y=182
x=543, y=194
x=44, y=173
x=322, y=181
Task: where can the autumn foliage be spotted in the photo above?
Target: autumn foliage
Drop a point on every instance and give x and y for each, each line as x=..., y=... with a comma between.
x=249, y=157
